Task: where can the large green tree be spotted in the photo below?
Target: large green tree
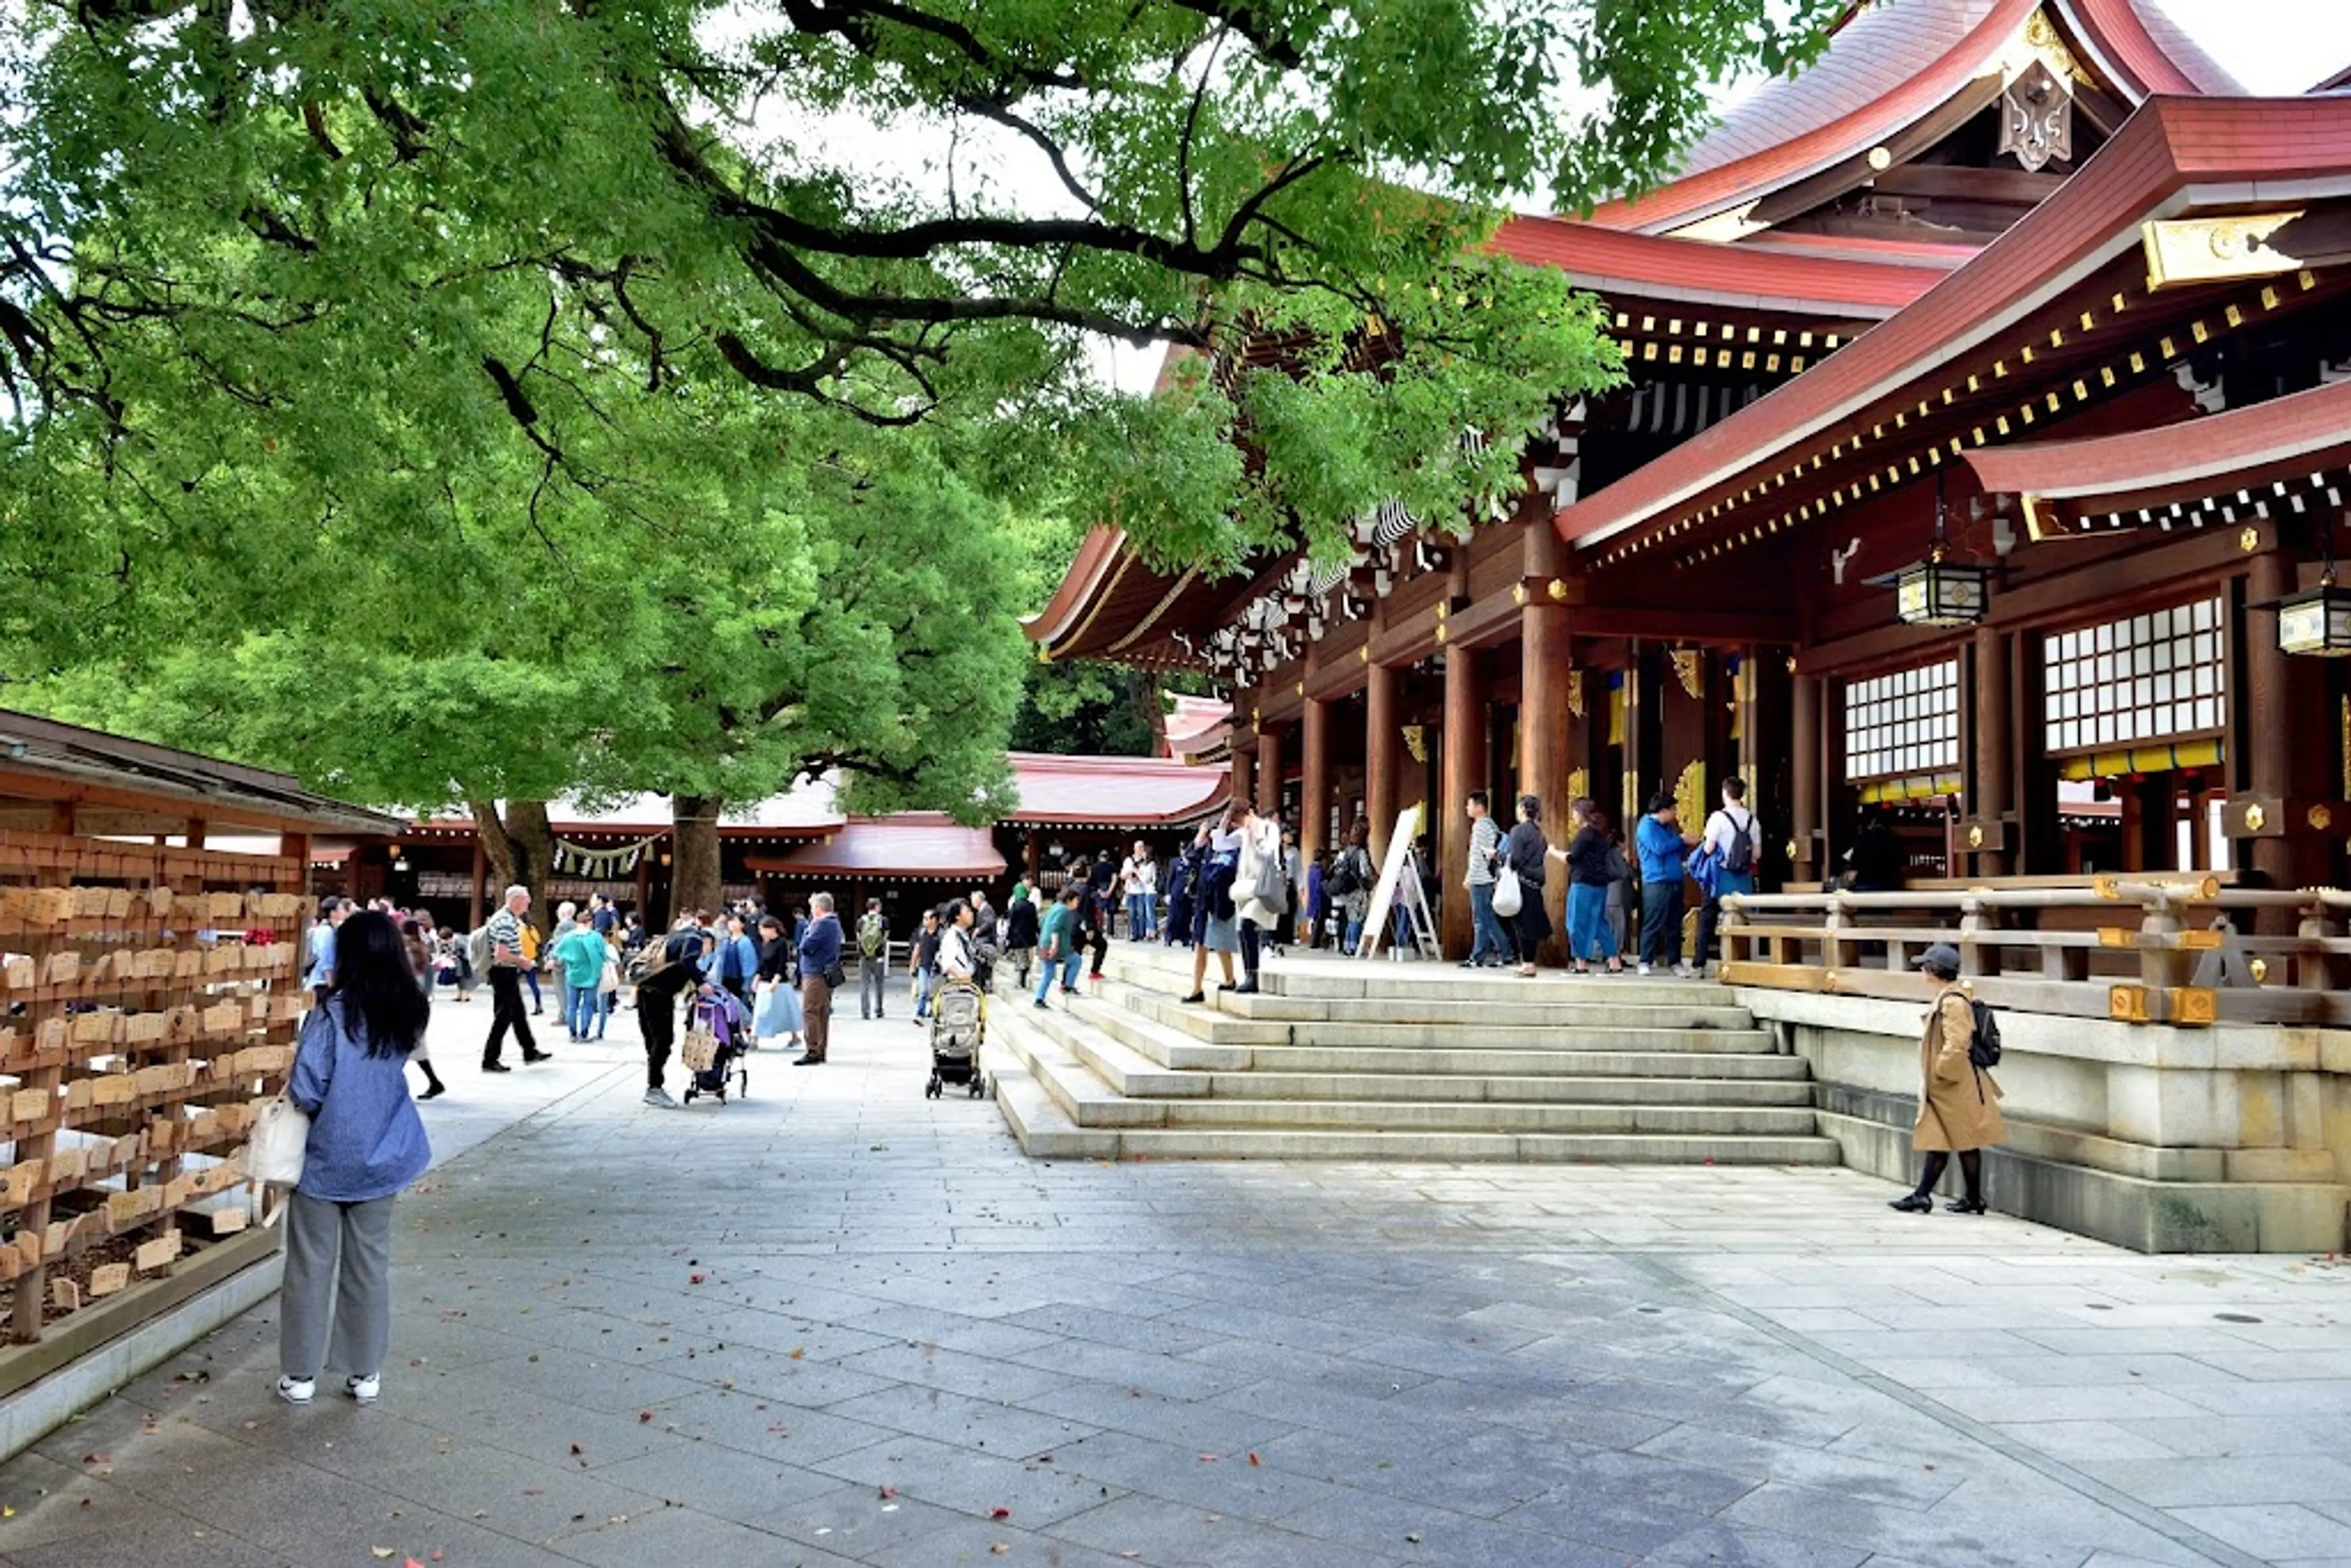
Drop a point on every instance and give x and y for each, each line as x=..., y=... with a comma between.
x=503, y=220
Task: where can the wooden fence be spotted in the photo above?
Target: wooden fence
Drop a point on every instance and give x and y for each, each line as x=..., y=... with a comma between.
x=2141, y=949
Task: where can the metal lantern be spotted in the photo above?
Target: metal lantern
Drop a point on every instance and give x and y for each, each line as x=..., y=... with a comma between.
x=1941, y=592
x=2318, y=620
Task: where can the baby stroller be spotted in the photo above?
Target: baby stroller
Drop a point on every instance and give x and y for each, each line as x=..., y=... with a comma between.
x=714, y=1047
x=958, y=1023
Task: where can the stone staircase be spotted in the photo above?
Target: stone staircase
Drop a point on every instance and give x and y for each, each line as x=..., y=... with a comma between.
x=1342, y=1059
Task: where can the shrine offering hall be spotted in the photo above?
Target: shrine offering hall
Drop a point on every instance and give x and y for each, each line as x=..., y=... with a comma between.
x=1976, y=477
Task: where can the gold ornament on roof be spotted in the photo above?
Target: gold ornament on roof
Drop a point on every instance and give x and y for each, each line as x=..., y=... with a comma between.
x=2255, y=819
x=2248, y=539
x=2320, y=818
x=1559, y=588
x=1415, y=742
x=2045, y=43
x=1975, y=835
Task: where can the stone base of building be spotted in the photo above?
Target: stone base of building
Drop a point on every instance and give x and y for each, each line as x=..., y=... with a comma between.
x=2155, y=1138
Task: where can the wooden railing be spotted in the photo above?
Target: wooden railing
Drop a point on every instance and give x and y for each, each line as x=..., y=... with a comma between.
x=2142, y=949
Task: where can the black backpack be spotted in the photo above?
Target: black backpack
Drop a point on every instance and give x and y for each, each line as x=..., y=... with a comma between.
x=1347, y=876
x=1739, y=858
x=1984, y=1049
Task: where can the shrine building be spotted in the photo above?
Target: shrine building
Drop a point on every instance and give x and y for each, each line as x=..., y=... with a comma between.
x=1978, y=465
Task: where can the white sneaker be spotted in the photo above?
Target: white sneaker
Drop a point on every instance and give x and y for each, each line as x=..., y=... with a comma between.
x=1644, y=971
x=660, y=1097
x=1686, y=972
x=365, y=1389
x=297, y=1390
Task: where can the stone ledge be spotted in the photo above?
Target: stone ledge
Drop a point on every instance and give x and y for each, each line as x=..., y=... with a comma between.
x=2128, y=1211
x=2254, y=1048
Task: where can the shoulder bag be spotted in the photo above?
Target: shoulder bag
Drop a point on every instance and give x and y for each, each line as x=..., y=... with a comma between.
x=1509, y=897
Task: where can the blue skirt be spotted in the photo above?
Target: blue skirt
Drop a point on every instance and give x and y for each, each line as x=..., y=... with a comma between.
x=777, y=1013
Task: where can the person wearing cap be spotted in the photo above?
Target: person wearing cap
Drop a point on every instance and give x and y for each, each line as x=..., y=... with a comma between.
x=1959, y=1104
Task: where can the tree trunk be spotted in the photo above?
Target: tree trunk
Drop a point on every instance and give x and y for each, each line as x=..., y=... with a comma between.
x=695, y=881
x=521, y=848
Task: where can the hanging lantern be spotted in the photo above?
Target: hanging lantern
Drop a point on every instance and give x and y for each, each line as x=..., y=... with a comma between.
x=1940, y=591
x=2316, y=620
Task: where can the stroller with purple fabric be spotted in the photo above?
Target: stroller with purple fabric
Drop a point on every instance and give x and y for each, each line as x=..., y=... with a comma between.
x=715, y=1041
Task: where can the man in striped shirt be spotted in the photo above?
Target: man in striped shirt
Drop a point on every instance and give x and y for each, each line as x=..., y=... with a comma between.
x=507, y=962
x=1491, y=943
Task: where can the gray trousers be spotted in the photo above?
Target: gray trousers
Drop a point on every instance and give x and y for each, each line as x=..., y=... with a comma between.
x=354, y=1299
x=872, y=973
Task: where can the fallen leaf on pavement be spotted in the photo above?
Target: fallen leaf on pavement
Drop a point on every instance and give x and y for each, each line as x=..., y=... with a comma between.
x=999, y=1513
x=1253, y=1460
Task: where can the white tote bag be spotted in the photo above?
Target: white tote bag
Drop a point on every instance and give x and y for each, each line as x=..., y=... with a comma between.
x=281, y=1134
x=1506, y=895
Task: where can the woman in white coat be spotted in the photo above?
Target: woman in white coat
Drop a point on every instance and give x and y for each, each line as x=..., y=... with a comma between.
x=1260, y=892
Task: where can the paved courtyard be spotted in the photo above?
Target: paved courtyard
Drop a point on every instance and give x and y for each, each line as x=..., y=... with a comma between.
x=838, y=1323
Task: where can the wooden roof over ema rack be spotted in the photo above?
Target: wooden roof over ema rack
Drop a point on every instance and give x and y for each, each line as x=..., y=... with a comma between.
x=108, y=785
x=1865, y=271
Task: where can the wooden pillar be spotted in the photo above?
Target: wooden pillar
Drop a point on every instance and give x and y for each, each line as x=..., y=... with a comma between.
x=1314, y=782
x=1268, y=771
x=1546, y=752
x=1804, y=800
x=1382, y=756
x=1463, y=763
x=1033, y=856
x=1244, y=766
x=1995, y=724
x=2285, y=703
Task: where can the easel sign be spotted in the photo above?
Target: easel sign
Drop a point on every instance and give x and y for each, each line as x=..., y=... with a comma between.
x=1384, y=896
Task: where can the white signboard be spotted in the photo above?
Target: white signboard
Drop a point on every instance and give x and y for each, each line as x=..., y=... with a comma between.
x=1396, y=880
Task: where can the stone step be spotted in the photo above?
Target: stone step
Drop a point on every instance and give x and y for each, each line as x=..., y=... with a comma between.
x=1558, y=1148
x=1328, y=979
x=1499, y=1013
x=1662, y=1059
x=1123, y=1068
x=1710, y=1121
x=1043, y=1129
x=1495, y=1090
x=1168, y=1047
x=1211, y=1021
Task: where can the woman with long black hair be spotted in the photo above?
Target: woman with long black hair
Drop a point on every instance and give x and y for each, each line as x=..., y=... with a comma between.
x=366, y=1143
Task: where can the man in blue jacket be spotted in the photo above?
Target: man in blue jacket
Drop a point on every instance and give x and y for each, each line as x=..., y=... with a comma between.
x=819, y=952
x=1658, y=842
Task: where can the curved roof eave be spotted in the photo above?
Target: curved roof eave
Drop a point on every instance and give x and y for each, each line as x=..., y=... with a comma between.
x=1078, y=586
x=2168, y=144
x=1715, y=188
x=2286, y=429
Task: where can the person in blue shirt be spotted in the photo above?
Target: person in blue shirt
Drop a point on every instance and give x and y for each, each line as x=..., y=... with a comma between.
x=318, y=962
x=366, y=1143
x=735, y=962
x=1661, y=845
x=820, y=954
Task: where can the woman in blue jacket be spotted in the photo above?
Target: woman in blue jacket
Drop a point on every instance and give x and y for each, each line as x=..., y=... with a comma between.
x=366, y=1143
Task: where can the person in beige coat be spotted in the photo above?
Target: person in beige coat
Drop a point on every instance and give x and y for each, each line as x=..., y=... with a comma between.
x=1959, y=1104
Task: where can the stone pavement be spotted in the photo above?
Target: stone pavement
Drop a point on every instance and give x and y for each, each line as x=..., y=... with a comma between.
x=838, y=1323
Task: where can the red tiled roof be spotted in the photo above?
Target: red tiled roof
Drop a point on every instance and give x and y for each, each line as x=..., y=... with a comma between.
x=2155, y=50
x=910, y=844
x=1610, y=261
x=2301, y=426
x=2169, y=143
x=1114, y=791
x=1886, y=66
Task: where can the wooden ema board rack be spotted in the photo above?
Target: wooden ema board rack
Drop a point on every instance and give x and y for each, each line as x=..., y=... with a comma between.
x=149, y=1003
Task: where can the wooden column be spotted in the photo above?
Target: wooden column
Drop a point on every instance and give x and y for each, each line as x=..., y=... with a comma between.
x=1244, y=763
x=1384, y=756
x=1314, y=783
x=1811, y=867
x=2286, y=705
x=1464, y=764
x=1269, y=766
x=1546, y=752
x=1995, y=729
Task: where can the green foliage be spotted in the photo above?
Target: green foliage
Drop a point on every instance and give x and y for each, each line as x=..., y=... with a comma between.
x=289, y=274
